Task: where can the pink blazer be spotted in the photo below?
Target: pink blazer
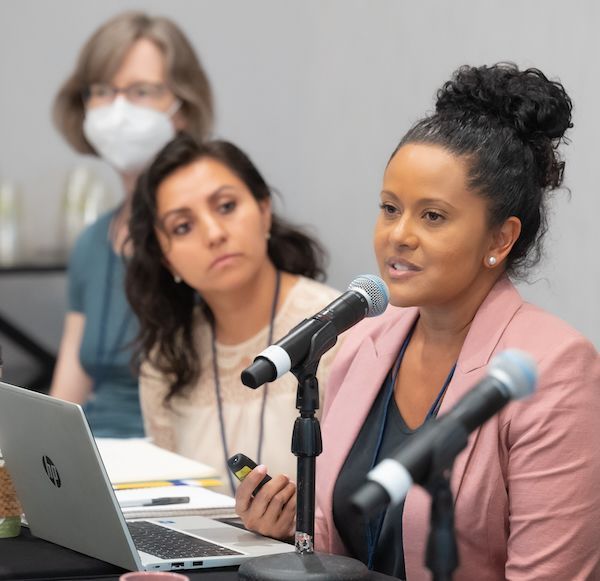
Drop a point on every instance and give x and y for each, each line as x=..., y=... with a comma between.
x=527, y=487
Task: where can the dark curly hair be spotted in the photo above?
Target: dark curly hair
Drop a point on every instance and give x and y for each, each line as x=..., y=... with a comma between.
x=507, y=125
x=165, y=309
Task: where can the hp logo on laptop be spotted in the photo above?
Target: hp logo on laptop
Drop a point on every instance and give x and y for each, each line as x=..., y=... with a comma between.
x=51, y=471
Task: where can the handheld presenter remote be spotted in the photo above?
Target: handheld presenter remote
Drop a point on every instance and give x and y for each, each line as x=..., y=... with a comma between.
x=241, y=466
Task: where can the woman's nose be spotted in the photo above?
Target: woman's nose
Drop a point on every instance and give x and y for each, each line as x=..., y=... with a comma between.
x=404, y=232
x=213, y=230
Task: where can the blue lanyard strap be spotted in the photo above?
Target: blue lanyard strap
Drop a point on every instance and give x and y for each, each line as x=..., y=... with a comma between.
x=374, y=532
x=437, y=404
x=261, y=428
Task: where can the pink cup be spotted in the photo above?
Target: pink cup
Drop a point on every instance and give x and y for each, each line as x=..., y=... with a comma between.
x=153, y=576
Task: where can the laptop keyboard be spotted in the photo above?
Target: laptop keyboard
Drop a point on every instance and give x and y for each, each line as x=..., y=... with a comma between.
x=169, y=544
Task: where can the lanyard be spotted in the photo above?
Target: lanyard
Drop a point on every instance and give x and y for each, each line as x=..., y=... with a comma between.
x=265, y=387
x=373, y=533
x=104, y=356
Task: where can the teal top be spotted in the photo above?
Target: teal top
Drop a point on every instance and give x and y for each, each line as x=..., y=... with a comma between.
x=96, y=288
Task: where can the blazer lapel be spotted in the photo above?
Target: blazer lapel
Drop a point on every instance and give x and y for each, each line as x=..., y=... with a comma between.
x=363, y=379
x=365, y=374
x=486, y=331
x=487, y=328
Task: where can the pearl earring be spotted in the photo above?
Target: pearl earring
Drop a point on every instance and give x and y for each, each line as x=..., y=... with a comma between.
x=176, y=278
x=268, y=236
x=491, y=260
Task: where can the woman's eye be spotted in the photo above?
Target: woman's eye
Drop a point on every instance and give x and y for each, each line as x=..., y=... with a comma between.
x=387, y=209
x=433, y=216
x=180, y=229
x=101, y=91
x=227, y=207
x=142, y=91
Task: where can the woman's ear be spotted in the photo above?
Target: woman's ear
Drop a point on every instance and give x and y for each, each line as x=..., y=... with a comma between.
x=176, y=277
x=266, y=211
x=503, y=240
x=167, y=265
x=179, y=120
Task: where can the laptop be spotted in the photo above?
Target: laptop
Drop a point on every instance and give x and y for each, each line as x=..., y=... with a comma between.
x=68, y=499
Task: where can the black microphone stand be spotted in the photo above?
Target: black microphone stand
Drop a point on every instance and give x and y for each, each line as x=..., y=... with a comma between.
x=305, y=564
x=441, y=557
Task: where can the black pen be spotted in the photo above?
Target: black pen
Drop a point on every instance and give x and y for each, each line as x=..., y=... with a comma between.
x=154, y=501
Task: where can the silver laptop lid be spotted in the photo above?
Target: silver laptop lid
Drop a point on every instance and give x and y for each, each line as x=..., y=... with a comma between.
x=54, y=463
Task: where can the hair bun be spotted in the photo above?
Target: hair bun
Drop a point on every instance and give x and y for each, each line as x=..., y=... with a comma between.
x=525, y=100
x=536, y=108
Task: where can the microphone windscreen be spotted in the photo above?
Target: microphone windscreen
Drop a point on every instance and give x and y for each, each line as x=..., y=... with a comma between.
x=517, y=372
x=375, y=292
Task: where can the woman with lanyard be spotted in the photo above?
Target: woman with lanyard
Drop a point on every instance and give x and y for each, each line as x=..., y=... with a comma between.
x=137, y=81
x=462, y=211
x=214, y=278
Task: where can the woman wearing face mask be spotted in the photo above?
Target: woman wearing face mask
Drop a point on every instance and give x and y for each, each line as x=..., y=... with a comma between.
x=462, y=209
x=228, y=277
x=136, y=82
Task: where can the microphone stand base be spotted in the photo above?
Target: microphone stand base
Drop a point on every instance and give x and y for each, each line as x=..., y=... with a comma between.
x=304, y=567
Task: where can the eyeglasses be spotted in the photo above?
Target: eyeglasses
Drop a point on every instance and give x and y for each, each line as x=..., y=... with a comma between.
x=148, y=94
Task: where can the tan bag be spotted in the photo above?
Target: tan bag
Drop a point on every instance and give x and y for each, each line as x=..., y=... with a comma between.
x=10, y=508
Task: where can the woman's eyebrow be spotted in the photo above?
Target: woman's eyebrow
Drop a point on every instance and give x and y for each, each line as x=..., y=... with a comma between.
x=211, y=197
x=422, y=201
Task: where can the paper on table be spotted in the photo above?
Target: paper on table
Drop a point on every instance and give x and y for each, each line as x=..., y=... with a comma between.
x=202, y=502
x=137, y=460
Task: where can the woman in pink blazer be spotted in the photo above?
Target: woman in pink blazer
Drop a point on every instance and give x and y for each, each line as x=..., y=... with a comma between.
x=462, y=211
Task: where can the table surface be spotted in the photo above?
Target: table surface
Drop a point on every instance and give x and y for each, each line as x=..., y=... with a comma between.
x=33, y=266
x=39, y=261
x=27, y=558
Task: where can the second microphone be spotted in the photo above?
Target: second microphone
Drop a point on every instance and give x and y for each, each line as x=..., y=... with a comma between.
x=367, y=296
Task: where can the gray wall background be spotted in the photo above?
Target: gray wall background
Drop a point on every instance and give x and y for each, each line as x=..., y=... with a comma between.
x=318, y=92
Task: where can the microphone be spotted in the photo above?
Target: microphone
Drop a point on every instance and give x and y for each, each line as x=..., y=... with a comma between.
x=367, y=296
x=511, y=375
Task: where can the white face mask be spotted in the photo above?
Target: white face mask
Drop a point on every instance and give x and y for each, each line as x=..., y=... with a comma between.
x=128, y=136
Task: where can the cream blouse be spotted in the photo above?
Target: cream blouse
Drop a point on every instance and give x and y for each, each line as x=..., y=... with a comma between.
x=191, y=425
